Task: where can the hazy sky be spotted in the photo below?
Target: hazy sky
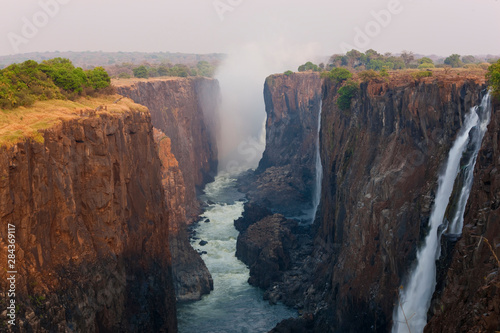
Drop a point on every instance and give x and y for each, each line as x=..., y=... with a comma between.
x=292, y=26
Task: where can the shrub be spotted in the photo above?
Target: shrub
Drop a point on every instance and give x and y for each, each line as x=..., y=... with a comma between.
x=288, y=73
x=23, y=84
x=346, y=93
x=484, y=65
x=421, y=74
x=425, y=65
x=369, y=75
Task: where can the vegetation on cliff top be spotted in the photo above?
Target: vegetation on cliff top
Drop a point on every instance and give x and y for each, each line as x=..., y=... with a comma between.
x=23, y=84
x=144, y=71
x=493, y=77
x=26, y=122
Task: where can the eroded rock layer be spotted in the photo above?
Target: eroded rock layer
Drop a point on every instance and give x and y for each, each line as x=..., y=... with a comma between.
x=185, y=109
x=92, y=227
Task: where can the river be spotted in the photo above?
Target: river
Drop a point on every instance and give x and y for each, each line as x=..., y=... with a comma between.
x=233, y=306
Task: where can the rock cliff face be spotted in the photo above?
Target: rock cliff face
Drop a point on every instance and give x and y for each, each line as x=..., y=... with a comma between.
x=285, y=176
x=470, y=300
x=185, y=110
x=91, y=228
x=380, y=163
x=381, y=160
x=191, y=277
x=184, y=113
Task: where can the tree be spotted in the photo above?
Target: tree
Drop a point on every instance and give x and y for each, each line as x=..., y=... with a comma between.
x=469, y=59
x=454, y=61
x=98, y=78
x=425, y=60
x=339, y=74
x=493, y=77
x=408, y=57
x=346, y=94
x=141, y=72
x=309, y=66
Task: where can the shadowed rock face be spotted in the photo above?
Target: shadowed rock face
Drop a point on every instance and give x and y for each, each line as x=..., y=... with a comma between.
x=285, y=176
x=191, y=277
x=265, y=248
x=92, y=227
x=470, y=300
x=185, y=110
x=381, y=161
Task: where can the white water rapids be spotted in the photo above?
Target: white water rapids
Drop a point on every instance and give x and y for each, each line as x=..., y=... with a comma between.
x=233, y=306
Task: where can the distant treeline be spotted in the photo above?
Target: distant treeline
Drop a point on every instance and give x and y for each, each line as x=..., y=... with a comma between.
x=23, y=84
x=88, y=59
x=372, y=60
x=128, y=70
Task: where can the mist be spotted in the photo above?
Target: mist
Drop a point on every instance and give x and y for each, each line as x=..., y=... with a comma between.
x=242, y=115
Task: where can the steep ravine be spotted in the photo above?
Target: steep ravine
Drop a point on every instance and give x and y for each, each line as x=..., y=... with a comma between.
x=183, y=110
x=91, y=227
x=381, y=161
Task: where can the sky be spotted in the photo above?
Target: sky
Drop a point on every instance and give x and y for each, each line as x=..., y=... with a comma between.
x=260, y=37
x=294, y=27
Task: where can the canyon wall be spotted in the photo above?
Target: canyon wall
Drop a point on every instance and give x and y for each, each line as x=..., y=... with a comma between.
x=469, y=300
x=184, y=112
x=185, y=109
x=284, y=178
x=91, y=227
x=381, y=160
x=381, y=163
x=191, y=276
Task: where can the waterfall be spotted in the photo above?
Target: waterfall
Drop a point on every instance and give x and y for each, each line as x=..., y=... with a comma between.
x=415, y=297
x=319, y=169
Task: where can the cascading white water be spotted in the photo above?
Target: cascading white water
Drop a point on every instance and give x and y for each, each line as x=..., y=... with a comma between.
x=484, y=112
x=319, y=169
x=415, y=298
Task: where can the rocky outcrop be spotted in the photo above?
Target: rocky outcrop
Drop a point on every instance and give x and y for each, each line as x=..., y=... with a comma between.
x=381, y=160
x=265, y=247
x=470, y=299
x=91, y=228
x=285, y=176
x=191, y=276
x=185, y=110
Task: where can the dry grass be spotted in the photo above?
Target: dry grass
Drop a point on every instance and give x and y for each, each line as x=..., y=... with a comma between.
x=132, y=81
x=21, y=123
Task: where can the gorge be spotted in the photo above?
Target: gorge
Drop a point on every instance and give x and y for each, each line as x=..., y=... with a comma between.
x=112, y=210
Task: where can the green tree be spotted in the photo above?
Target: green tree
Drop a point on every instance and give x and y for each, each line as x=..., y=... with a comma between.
x=309, y=66
x=469, y=59
x=346, y=93
x=98, y=78
x=141, y=72
x=339, y=74
x=454, y=61
x=493, y=77
x=425, y=60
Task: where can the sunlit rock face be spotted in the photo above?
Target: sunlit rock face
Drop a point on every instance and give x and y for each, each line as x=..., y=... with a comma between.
x=92, y=227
